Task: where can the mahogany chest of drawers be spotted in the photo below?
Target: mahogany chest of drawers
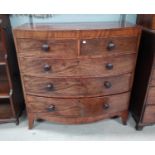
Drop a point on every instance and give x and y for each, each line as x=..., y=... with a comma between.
x=77, y=72
x=143, y=95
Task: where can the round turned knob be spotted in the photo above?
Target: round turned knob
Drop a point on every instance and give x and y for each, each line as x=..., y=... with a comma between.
x=47, y=67
x=45, y=47
x=110, y=46
x=51, y=108
x=84, y=42
x=109, y=66
x=107, y=84
x=106, y=106
x=5, y=56
x=50, y=87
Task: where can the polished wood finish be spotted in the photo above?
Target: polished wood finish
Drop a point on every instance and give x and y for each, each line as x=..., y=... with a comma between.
x=75, y=87
x=90, y=67
x=149, y=114
x=49, y=48
x=107, y=46
x=82, y=107
x=146, y=20
x=5, y=109
x=11, y=98
x=143, y=94
x=77, y=72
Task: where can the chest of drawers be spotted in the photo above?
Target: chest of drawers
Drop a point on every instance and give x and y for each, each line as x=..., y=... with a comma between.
x=146, y=20
x=77, y=72
x=143, y=95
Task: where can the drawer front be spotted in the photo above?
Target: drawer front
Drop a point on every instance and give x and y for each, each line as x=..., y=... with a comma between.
x=78, y=107
x=153, y=22
x=151, y=95
x=108, y=46
x=65, y=87
x=149, y=114
x=152, y=81
x=78, y=67
x=46, y=48
x=3, y=55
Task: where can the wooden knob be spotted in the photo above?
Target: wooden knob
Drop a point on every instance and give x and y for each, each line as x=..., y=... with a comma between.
x=45, y=47
x=5, y=56
x=51, y=108
x=50, y=87
x=110, y=46
x=84, y=42
x=107, y=84
x=109, y=66
x=106, y=106
x=47, y=67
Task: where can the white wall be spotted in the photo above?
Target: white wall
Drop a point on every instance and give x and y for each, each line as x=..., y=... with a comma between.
x=17, y=20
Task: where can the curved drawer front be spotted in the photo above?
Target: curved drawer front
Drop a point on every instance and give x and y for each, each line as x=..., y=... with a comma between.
x=46, y=48
x=108, y=46
x=149, y=114
x=87, y=87
x=78, y=107
x=98, y=67
x=151, y=96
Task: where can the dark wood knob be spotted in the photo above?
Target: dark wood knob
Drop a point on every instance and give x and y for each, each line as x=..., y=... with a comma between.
x=47, y=67
x=50, y=87
x=107, y=84
x=51, y=108
x=110, y=46
x=1, y=21
x=109, y=66
x=106, y=106
x=45, y=47
x=84, y=41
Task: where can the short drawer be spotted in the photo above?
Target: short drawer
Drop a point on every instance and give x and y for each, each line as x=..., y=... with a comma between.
x=96, y=67
x=47, y=48
x=108, y=46
x=151, y=95
x=78, y=107
x=149, y=114
x=74, y=87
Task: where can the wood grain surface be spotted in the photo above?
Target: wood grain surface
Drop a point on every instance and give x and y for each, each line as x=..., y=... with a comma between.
x=77, y=72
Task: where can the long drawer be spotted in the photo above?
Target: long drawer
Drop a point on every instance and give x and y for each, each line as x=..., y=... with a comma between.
x=75, y=87
x=78, y=107
x=97, y=67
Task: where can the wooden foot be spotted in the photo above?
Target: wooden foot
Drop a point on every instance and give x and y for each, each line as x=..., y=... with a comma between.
x=31, y=120
x=139, y=127
x=17, y=121
x=124, y=117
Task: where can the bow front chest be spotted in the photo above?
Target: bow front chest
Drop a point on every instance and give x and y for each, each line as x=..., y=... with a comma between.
x=77, y=72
